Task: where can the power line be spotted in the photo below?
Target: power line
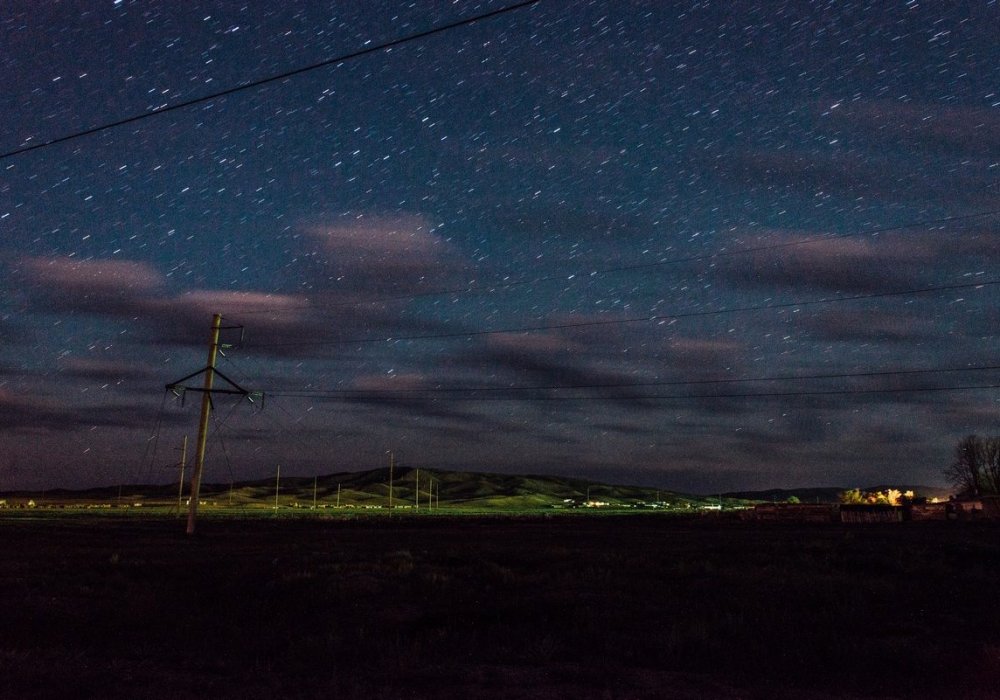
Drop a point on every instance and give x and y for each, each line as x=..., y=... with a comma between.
x=430, y=391
x=272, y=79
x=474, y=289
x=637, y=319
x=681, y=397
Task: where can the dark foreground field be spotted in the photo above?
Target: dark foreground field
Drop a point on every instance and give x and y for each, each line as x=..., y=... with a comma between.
x=581, y=607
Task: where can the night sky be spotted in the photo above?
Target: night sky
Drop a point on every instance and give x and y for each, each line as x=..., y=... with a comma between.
x=558, y=240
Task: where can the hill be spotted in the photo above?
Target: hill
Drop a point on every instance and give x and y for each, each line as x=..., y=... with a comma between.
x=412, y=488
x=425, y=488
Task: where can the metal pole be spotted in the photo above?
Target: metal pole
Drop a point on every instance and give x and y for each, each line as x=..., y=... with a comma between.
x=277, y=485
x=206, y=409
x=391, y=465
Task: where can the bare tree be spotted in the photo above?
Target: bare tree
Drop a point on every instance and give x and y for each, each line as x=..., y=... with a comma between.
x=966, y=472
x=990, y=464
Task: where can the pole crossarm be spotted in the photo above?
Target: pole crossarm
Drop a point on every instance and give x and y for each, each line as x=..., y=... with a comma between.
x=179, y=388
x=236, y=388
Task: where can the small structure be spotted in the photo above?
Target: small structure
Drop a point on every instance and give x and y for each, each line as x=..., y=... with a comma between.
x=966, y=508
x=796, y=512
x=920, y=511
x=870, y=513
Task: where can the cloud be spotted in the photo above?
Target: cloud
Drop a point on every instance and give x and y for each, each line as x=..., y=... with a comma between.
x=974, y=130
x=867, y=326
x=693, y=353
x=106, y=371
x=37, y=415
x=133, y=290
x=380, y=254
x=92, y=286
x=11, y=333
x=390, y=383
x=186, y=318
x=548, y=361
x=22, y=412
x=528, y=344
x=833, y=264
x=856, y=174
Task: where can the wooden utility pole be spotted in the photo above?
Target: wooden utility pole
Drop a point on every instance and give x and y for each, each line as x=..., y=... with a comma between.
x=338, y=495
x=180, y=482
x=314, y=493
x=416, y=488
x=180, y=389
x=206, y=409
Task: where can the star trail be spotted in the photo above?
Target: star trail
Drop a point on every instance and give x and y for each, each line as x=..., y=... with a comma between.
x=703, y=246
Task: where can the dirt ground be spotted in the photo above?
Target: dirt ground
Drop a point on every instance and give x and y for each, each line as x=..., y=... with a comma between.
x=639, y=606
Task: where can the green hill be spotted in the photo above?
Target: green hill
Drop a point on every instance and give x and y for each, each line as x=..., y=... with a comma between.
x=438, y=488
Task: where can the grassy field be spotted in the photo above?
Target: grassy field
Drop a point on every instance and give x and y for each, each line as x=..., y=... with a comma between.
x=638, y=606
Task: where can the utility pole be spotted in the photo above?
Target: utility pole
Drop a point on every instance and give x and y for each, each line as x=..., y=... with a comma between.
x=180, y=482
x=416, y=488
x=338, y=495
x=207, y=390
x=206, y=409
x=391, y=466
x=314, y=493
x=277, y=487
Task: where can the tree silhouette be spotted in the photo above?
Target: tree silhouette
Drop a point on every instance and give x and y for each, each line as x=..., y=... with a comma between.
x=975, y=470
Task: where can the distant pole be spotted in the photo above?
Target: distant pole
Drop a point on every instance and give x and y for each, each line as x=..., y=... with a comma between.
x=338, y=495
x=314, y=493
x=391, y=465
x=206, y=409
x=416, y=488
x=277, y=487
x=180, y=485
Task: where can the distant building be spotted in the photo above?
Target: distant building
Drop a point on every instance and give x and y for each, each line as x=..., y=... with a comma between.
x=870, y=513
x=919, y=512
x=796, y=512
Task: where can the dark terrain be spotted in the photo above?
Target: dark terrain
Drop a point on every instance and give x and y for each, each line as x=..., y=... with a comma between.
x=638, y=606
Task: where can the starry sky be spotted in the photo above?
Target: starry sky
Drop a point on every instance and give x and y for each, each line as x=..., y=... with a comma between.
x=701, y=246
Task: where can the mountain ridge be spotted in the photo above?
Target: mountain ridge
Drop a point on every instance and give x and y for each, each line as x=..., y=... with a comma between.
x=428, y=486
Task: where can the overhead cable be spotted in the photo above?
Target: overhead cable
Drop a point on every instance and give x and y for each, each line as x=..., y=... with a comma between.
x=271, y=79
x=636, y=319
